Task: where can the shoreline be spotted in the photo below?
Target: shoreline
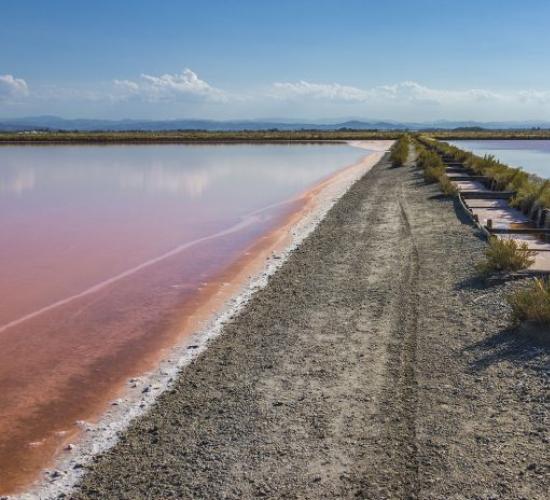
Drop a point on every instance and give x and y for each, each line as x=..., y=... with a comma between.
x=251, y=275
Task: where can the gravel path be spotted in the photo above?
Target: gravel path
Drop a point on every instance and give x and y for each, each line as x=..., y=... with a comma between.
x=373, y=365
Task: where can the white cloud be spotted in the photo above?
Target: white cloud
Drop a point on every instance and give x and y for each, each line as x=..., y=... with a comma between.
x=127, y=86
x=403, y=92
x=11, y=87
x=170, y=87
x=185, y=93
x=319, y=91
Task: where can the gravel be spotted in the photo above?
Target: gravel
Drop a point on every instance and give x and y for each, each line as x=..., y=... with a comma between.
x=375, y=364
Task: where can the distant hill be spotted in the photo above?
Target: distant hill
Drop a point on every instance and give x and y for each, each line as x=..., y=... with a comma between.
x=56, y=123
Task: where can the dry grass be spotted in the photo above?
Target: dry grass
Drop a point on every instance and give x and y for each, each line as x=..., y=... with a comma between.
x=504, y=255
x=400, y=151
x=532, y=303
x=448, y=188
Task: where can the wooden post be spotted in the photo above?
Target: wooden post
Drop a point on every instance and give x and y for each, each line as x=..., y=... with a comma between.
x=489, y=224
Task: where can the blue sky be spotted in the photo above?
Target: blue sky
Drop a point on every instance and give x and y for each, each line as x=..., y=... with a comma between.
x=416, y=60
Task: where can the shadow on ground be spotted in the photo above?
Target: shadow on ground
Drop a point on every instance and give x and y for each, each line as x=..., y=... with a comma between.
x=509, y=345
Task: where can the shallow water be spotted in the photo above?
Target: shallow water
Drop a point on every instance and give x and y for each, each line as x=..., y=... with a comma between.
x=104, y=252
x=532, y=155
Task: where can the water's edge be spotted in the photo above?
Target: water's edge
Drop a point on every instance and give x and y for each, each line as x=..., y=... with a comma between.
x=100, y=436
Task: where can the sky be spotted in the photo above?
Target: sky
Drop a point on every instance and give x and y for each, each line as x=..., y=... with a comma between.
x=321, y=60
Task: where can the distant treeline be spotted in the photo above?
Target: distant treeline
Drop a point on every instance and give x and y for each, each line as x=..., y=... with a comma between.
x=203, y=136
x=490, y=134
x=195, y=136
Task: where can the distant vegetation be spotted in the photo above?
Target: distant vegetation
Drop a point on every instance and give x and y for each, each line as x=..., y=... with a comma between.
x=197, y=136
x=400, y=151
x=480, y=133
x=272, y=135
x=532, y=303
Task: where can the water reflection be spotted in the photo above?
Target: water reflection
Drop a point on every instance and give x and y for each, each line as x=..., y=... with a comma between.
x=532, y=155
x=81, y=214
x=15, y=181
x=189, y=170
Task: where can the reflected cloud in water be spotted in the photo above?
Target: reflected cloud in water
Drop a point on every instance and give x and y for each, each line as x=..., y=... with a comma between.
x=17, y=182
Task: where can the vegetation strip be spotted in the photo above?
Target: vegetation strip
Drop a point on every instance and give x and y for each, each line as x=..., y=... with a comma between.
x=236, y=136
x=527, y=193
x=192, y=136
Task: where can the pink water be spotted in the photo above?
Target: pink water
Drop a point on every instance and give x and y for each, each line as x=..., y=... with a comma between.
x=104, y=251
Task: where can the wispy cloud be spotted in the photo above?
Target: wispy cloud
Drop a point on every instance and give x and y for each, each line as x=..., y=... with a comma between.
x=332, y=91
x=170, y=87
x=12, y=88
x=405, y=92
x=186, y=93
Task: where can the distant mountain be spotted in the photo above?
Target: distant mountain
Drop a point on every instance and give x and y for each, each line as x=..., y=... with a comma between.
x=57, y=123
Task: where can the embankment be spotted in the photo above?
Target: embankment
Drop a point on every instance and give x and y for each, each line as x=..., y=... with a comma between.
x=374, y=364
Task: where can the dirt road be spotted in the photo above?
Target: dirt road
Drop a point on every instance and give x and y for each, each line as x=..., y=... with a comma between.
x=374, y=365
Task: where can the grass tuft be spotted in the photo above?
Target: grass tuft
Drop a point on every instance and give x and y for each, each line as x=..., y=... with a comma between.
x=532, y=303
x=448, y=188
x=505, y=255
x=400, y=151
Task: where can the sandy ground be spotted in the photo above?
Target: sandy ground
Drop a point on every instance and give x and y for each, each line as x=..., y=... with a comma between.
x=374, y=364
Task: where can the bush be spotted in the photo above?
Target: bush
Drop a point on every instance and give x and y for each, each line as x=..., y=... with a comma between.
x=532, y=303
x=434, y=170
x=506, y=255
x=530, y=192
x=448, y=188
x=400, y=151
x=433, y=174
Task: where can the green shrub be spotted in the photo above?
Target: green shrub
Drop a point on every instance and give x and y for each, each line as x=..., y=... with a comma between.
x=530, y=192
x=506, y=255
x=448, y=188
x=433, y=173
x=434, y=168
x=532, y=303
x=400, y=151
